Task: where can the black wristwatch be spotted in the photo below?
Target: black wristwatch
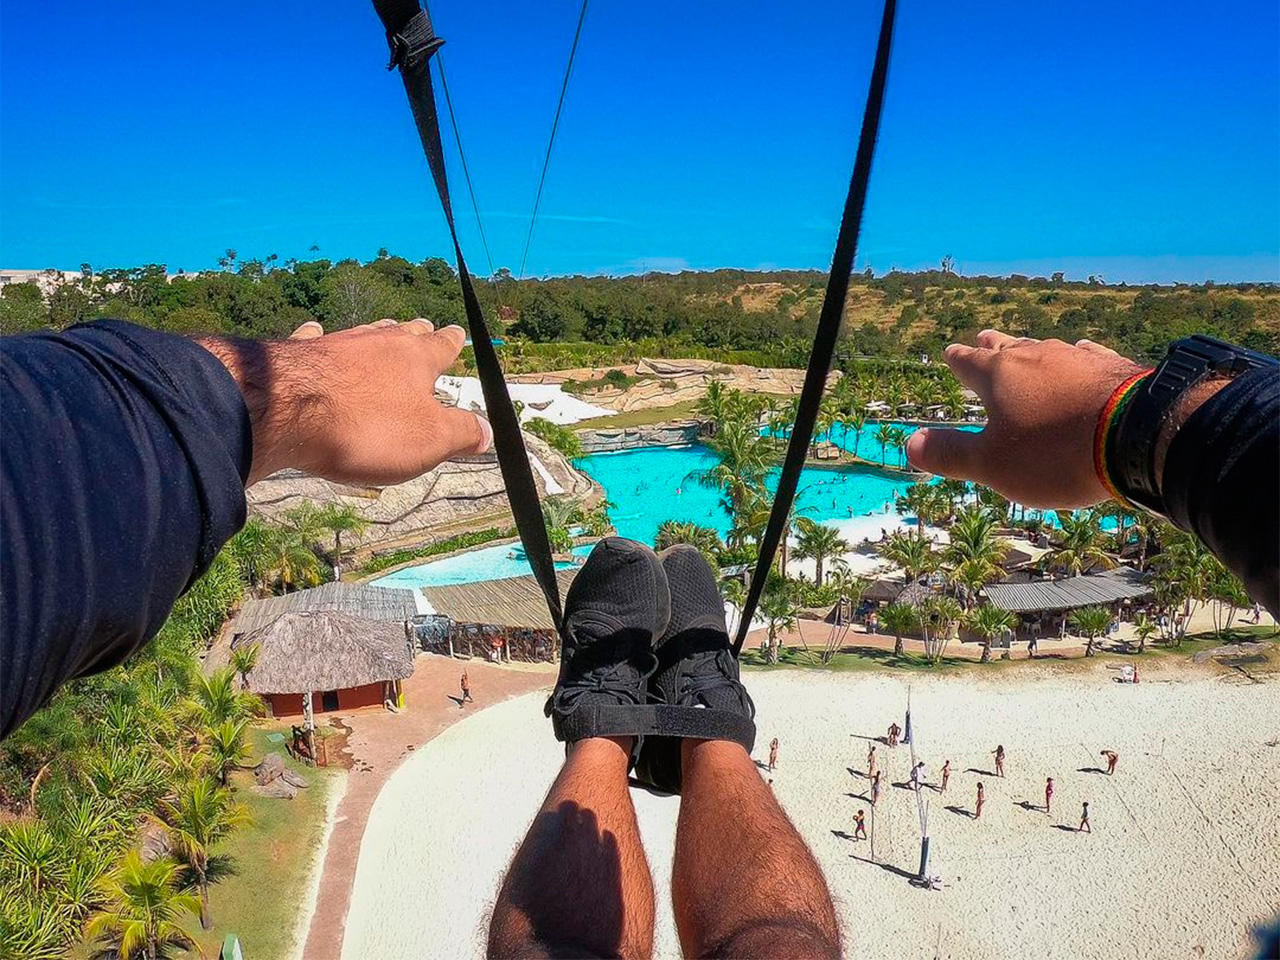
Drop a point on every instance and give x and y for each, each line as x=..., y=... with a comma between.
x=1130, y=448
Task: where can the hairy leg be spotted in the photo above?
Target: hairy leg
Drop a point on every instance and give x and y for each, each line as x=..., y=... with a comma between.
x=744, y=884
x=579, y=886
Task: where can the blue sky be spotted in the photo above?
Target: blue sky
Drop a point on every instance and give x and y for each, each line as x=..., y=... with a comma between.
x=1138, y=140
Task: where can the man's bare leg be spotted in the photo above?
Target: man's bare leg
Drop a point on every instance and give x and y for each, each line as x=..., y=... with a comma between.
x=744, y=883
x=579, y=886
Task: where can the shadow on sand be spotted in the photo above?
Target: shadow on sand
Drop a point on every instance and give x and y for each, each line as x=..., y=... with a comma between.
x=958, y=811
x=898, y=871
x=981, y=773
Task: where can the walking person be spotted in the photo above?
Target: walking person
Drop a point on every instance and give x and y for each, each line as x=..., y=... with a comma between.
x=917, y=775
x=875, y=789
x=999, y=751
x=773, y=754
x=860, y=826
x=1084, y=819
x=466, y=697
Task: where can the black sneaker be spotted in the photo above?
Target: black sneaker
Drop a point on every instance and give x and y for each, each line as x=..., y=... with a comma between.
x=616, y=607
x=697, y=673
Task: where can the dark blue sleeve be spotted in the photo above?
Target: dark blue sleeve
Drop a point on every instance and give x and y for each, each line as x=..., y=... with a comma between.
x=1222, y=480
x=123, y=462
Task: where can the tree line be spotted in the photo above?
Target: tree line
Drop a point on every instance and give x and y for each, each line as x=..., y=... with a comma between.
x=772, y=314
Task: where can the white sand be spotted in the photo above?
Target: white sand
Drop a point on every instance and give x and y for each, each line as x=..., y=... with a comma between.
x=1182, y=861
x=560, y=407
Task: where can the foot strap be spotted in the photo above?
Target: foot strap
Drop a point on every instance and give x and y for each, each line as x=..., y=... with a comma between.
x=654, y=720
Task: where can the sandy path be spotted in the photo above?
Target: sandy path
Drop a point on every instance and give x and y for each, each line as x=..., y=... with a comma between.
x=1181, y=861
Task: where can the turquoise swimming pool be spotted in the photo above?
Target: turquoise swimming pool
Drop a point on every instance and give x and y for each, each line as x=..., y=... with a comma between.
x=652, y=484
x=488, y=563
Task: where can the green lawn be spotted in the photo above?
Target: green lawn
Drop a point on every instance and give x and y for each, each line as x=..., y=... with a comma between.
x=865, y=658
x=640, y=418
x=272, y=855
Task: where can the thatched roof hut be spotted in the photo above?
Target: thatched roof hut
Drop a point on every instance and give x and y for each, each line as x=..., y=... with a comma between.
x=512, y=602
x=353, y=599
x=350, y=662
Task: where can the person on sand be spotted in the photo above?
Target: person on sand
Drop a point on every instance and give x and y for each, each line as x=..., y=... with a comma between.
x=895, y=732
x=743, y=885
x=1031, y=647
x=875, y=789
x=917, y=775
x=1084, y=819
x=859, y=826
x=946, y=775
x=1048, y=794
x=872, y=762
x=1112, y=759
x=1135, y=673
x=773, y=754
x=465, y=682
x=999, y=753
x=982, y=798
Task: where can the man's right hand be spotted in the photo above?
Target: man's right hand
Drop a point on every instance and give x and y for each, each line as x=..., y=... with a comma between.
x=357, y=406
x=1043, y=400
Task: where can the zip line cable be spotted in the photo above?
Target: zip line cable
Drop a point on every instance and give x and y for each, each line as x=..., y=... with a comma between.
x=555, y=125
x=462, y=156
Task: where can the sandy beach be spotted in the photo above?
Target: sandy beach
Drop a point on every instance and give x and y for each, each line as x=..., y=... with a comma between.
x=1181, y=861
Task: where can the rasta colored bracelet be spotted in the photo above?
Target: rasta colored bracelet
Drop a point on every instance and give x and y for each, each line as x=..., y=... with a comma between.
x=1107, y=420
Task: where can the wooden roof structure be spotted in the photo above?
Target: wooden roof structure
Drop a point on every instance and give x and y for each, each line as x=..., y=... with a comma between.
x=354, y=599
x=1123, y=583
x=305, y=652
x=513, y=602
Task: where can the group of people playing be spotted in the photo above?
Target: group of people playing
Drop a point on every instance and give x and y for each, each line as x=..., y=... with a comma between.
x=916, y=780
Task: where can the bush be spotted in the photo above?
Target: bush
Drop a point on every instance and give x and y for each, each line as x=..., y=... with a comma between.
x=561, y=439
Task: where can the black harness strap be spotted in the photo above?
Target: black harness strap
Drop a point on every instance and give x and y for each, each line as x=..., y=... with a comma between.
x=824, y=339
x=413, y=41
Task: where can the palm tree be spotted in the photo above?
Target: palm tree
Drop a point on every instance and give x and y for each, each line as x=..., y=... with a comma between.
x=672, y=532
x=898, y=618
x=227, y=747
x=713, y=404
x=974, y=553
x=818, y=542
x=291, y=560
x=778, y=608
x=244, y=659
x=742, y=464
x=914, y=555
x=142, y=917
x=1184, y=571
x=884, y=437
x=339, y=518
x=216, y=698
x=937, y=617
x=1079, y=546
x=856, y=421
x=989, y=622
x=1090, y=623
x=198, y=819
x=925, y=501
x=735, y=593
x=253, y=550
x=559, y=514
x=898, y=440
x=30, y=857
x=1144, y=630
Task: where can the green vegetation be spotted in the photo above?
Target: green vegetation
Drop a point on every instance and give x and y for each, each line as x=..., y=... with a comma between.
x=561, y=439
x=646, y=417
x=765, y=318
